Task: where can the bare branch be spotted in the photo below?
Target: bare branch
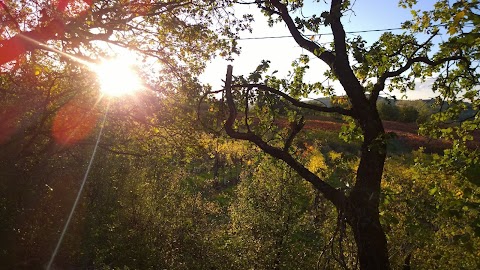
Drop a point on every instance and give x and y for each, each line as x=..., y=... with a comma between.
x=298, y=103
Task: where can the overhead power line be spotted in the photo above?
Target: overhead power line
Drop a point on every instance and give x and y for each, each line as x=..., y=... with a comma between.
x=325, y=34
x=347, y=32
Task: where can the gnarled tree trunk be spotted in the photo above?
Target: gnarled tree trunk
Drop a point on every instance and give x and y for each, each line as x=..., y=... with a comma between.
x=363, y=203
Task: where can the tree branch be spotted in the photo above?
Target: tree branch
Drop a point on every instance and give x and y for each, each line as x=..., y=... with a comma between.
x=9, y=15
x=296, y=102
x=268, y=10
x=19, y=44
x=296, y=127
x=339, y=35
x=342, y=68
x=199, y=111
x=324, y=55
x=419, y=46
x=330, y=193
x=247, y=93
x=380, y=85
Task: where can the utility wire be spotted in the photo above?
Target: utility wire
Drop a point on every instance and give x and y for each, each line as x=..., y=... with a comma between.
x=325, y=34
x=347, y=32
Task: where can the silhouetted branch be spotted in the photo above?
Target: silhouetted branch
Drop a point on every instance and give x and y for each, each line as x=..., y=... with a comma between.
x=296, y=102
x=380, y=85
x=199, y=110
x=330, y=193
x=296, y=127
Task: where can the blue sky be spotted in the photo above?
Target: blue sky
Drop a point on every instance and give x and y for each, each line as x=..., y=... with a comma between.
x=366, y=15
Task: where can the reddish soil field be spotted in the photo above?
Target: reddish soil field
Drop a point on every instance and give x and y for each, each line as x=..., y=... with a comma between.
x=406, y=134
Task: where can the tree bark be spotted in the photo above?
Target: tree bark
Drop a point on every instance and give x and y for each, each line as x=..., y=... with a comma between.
x=371, y=241
x=363, y=210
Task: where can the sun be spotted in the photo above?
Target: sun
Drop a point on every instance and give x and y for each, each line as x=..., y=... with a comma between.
x=117, y=77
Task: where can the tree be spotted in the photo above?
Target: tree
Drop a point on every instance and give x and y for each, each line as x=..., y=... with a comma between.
x=394, y=61
x=140, y=172
x=186, y=34
x=73, y=29
x=43, y=49
x=457, y=83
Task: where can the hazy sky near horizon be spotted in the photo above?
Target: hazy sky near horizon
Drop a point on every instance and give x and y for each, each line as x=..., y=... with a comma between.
x=366, y=15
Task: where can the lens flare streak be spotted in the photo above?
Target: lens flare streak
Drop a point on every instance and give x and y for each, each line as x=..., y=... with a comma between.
x=69, y=219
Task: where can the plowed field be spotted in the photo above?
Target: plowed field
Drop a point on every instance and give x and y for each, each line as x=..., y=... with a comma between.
x=406, y=134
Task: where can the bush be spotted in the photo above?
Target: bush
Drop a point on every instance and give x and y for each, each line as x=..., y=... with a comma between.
x=391, y=112
x=408, y=114
x=388, y=111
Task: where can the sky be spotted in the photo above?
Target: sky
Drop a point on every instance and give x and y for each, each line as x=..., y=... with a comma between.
x=366, y=15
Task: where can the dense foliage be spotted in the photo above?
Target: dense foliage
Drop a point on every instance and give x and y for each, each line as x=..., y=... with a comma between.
x=177, y=182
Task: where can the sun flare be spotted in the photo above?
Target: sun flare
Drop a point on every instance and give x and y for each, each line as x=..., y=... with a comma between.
x=117, y=77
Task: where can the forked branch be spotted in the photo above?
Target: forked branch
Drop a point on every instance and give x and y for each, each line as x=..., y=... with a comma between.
x=380, y=85
x=330, y=193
